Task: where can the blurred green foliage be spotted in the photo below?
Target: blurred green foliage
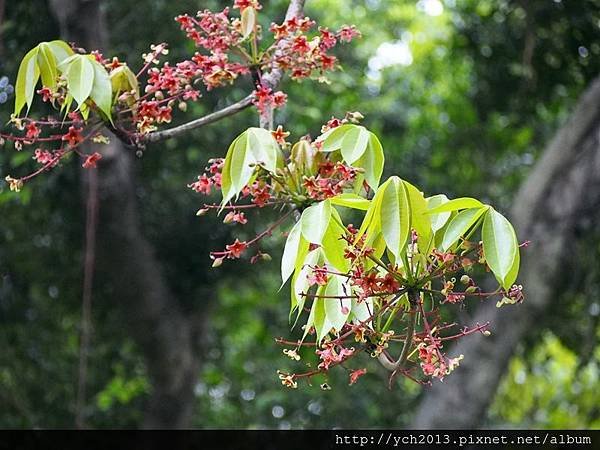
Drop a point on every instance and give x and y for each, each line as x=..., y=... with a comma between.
x=462, y=107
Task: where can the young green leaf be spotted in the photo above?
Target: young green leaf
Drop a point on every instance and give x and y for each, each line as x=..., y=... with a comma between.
x=124, y=80
x=395, y=216
x=80, y=77
x=248, y=21
x=288, y=260
x=354, y=143
x=337, y=310
x=101, y=92
x=459, y=225
x=419, y=220
x=300, y=283
x=61, y=50
x=47, y=65
x=350, y=201
x=333, y=245
x=372, y=162
x=315, y=220
x=27, y=79
x=437, y=220
x=500, y=247
x=332, y=139
x=456, y=204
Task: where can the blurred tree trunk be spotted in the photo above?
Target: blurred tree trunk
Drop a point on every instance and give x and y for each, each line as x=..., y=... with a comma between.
x=561, y=193
x=166, y=336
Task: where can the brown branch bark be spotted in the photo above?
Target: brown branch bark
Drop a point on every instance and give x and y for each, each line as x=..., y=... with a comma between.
x=562, y=191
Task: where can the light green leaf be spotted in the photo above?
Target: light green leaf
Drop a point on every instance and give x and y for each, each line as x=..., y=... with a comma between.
x=290, y=251
x=124, y=80
x=419, y=220
x=372, y=162
x=362, y=311
x=27, y=79
x=333, y=245
x=456, y=204
x=333, y=307
x=350, y=201
x=61, y=50
x=354, y=143
x=395, y=216
x=315, y=220
x=500, y=247
x=47, y=65
x=459, y=225
x=332, y=139
x=248, y=21
x=253, y=146
x=102, y=89
x=437, y=220
x=300, y=283
x=80, y=78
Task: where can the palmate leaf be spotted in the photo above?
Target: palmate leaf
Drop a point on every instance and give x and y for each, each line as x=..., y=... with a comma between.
x=27, y=78
x=354, y=143
x=419, y=220
x=456, y=205
x=395, y=216
x=41, y=61
x=500, y=248
x=351, y=201
x=315, y=220
x=47, y=64
x=101, y=92
x=253, y=146
x=80, y=75
x=372, y=162
x=460, y=225
x=438, y=220
x=337, y=310
x=124, y=80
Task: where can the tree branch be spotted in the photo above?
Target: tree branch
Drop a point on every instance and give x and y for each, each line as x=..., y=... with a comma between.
x=230, y=110
x=272, y=79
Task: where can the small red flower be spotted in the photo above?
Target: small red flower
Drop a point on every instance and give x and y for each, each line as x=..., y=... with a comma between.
x=32, y=131
x=356, y=374
x=236, y=249
x=318, y=276
x=73, y=136
x=203, y=185
x=91, y=160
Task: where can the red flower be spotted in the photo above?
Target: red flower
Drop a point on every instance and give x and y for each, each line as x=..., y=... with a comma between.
x=318, y=276
x=73, y=136
x=279, y=134
x=91, y=160
x=46, y=94
x=203, y=185
x=243, y=4
x=356, y=374
x=236, y=249
x=32, y=131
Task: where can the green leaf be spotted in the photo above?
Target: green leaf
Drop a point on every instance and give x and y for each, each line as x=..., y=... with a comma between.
x=333, y=245
x=437, y=220
x=315, y=220
x=101, y=92
x=288, y=260
x=333, y=307
x=354, y=143
x=456, y=204
x=47, y=65
x=80, y=78
x=248, y=21
x=253, y=146
x=300, y=283
x=459, y=225
x=350, y=201
x=395, y=216
x=362, y=311
x=419, y=220
x=61, y=50
x=372, y=162
x=124, y=80
x=27, y=79
x=332, y=139
x=500, y=247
